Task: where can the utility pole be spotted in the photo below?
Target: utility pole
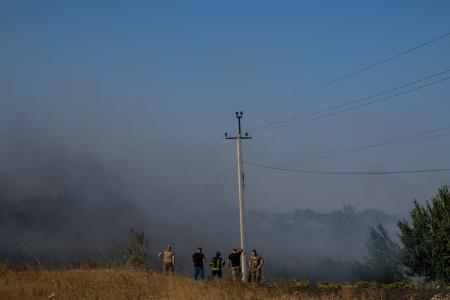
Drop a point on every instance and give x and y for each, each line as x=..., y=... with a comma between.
x=240, y=174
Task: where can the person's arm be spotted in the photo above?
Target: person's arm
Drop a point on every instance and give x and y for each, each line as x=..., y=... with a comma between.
x=204, y=260
x=229, y=262
x=261, y=261
x=160, y=254
x=173, y=259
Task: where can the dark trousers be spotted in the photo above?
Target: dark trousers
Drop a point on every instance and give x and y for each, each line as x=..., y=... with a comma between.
x=216, y=273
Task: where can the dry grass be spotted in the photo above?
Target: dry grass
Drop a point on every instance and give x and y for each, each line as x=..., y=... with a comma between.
x=130, y=284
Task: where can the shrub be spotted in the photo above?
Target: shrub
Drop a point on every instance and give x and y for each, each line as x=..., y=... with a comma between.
x=427, y=240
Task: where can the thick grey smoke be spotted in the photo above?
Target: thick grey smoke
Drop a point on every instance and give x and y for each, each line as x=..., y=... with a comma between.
x=76, y=174
x=74, y=179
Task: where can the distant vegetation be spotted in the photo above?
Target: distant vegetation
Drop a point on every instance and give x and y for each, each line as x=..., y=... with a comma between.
x=426, y=240
x=425, y=249
x=137, y=252
x=383, y=260
x=422, y=249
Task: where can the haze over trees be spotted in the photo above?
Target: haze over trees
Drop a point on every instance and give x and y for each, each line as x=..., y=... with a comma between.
x=383, y=259
x=425, y=244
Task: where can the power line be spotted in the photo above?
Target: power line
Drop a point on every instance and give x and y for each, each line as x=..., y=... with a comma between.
x=365, y=148
x=326, y=83
x=410, y=138
x=261, y=158
x=350, y=102
x=353, y=73
x=220, y=155
x=208, y=145
x=349, y=172
x=221, y=179
x=204, y=152
x=333, y=153
x=356, y=106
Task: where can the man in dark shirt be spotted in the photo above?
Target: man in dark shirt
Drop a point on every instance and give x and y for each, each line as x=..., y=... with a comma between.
x=234, y=263
x=198, y=259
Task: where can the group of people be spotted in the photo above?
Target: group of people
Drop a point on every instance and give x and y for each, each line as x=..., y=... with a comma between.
x=217, y=264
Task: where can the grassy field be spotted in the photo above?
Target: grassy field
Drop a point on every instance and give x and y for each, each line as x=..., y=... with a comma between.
x=130, y=284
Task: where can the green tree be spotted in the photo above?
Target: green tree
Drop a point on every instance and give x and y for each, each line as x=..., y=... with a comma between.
x=120, y=257
x=137, y=251
x=383, y=258
x=427, y=240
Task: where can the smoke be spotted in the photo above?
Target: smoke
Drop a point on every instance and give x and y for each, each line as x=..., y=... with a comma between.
x=75, y=177
x=77, y=171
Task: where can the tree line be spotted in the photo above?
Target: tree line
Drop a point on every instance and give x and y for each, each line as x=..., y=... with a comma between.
x=424, y=248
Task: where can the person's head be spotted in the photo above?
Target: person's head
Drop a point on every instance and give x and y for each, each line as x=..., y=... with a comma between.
x=217, y=254
x=169, y=248
x=235, y=249
x=199, y=249
x=254, y=252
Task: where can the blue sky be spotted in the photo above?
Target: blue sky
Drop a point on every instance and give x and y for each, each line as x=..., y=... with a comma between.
x=109, y=77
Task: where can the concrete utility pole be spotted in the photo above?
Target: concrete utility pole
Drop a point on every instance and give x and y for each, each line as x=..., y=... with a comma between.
x=240, y=174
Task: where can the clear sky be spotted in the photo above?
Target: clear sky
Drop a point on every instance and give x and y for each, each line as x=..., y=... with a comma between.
x=158, y=79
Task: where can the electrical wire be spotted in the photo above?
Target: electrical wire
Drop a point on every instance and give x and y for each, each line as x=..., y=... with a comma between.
x=356, y=106
x=353, y=73
x=289, y=120
x=363, y=148
x=208, y=145
x=221, y=178
x=317, y=172
x=326, y=83
x=333, y=153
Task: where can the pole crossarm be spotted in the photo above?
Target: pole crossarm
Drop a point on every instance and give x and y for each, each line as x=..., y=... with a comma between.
x=235, y=137
x=246, y=136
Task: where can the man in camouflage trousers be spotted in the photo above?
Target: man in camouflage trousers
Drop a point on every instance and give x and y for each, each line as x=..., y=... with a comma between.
x=254, y=265
x=168, y=258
